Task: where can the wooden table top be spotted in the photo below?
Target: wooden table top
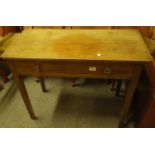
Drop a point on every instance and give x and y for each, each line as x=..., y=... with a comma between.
x=107, y=45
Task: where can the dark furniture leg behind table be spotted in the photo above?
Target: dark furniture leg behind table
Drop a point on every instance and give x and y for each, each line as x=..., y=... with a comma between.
x=3, y=74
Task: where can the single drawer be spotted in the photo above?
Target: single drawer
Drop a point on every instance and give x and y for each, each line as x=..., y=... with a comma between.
x=67, y=68
x=92, y=68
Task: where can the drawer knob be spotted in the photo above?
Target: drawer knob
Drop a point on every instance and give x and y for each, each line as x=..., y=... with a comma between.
x=37, y=68
x=107, y=70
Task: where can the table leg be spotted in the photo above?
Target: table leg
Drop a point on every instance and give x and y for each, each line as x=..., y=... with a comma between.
x=42, y=82
x=20, y=84
x=129, y=95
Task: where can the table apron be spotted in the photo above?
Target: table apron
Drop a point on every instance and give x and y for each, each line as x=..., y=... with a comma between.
x=81, y=69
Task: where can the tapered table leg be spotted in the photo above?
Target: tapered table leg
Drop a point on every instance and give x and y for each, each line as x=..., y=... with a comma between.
x=129, y=95
x=42, y=82
x=20, y=84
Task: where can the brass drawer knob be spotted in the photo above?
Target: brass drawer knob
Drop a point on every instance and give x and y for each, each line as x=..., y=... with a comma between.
x=107, y=70
x=37, y=68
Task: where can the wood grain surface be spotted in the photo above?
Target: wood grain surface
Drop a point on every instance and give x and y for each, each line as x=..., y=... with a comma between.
x=107, y=45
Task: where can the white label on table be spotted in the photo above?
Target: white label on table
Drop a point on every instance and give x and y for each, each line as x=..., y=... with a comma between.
x=92, y=69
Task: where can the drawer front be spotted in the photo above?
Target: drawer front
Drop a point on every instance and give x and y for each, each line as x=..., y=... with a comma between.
x=70, y=68
x=87, y=68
